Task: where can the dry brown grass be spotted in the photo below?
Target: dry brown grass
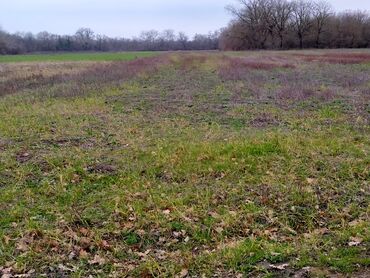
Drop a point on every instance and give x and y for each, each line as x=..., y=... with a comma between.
x=236, y=68
x=336, y=58
x=81, y=79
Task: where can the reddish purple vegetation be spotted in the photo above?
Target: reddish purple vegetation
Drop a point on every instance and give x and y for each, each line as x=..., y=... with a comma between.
x=119, y=71
x=230, y=72
x=336, y=58
x=295, y=93
x=238, y=68
x=95, y=77
x=298, y=93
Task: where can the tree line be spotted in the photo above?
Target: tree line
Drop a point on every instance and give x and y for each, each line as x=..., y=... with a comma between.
x=86, y=40
x=256, y=24
x=282, y=24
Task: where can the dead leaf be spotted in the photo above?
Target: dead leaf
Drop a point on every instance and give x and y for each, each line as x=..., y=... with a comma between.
x=177, y=234
x=355, y=222
x=83, y=254
x=279, y=266
x=161, y=254
x=166, y=211
x=71, y=234
x=184, y=272
x=219, y=230
x=84, y=231
x=22, y=245
x=85, y=242
x=143, y=255
x=140, y=232
x=105, y=245
x=72, y=255
x=355, y=241
x=7, y=270
x=23, y=157
x=132, y=218
x=233, y=213
x=97, y=260
x=311, y=180
x=63, y=267
x=6, y=239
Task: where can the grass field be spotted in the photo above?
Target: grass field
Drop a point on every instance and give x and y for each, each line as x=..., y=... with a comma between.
x=254, y=164
x=65, y=57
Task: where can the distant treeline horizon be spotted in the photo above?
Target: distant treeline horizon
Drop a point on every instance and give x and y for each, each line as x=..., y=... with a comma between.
x=256, y=24
x=85, y=39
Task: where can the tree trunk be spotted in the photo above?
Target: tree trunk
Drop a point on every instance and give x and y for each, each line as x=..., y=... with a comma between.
x=300, y=36
x=281, y=41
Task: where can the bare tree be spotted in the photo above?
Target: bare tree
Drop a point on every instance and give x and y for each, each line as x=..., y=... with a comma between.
x=168, y=35
x=47, y=41
x=366, y=32
x=182, y=39
x=302, y=19
x=3, y=40
x=149, y=38
x=322, y=11
x=281, y=14
x=167, y=39
x=234, y=37
x=352, y=29
x=84, y=37
x=256, y=16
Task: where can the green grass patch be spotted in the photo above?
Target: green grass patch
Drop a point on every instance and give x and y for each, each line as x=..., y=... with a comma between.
x=76, y=57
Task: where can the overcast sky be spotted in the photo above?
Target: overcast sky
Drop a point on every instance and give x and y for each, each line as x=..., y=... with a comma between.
x=125, y=17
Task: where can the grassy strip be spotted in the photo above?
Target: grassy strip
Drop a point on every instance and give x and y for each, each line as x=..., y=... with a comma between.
x=75, y=57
